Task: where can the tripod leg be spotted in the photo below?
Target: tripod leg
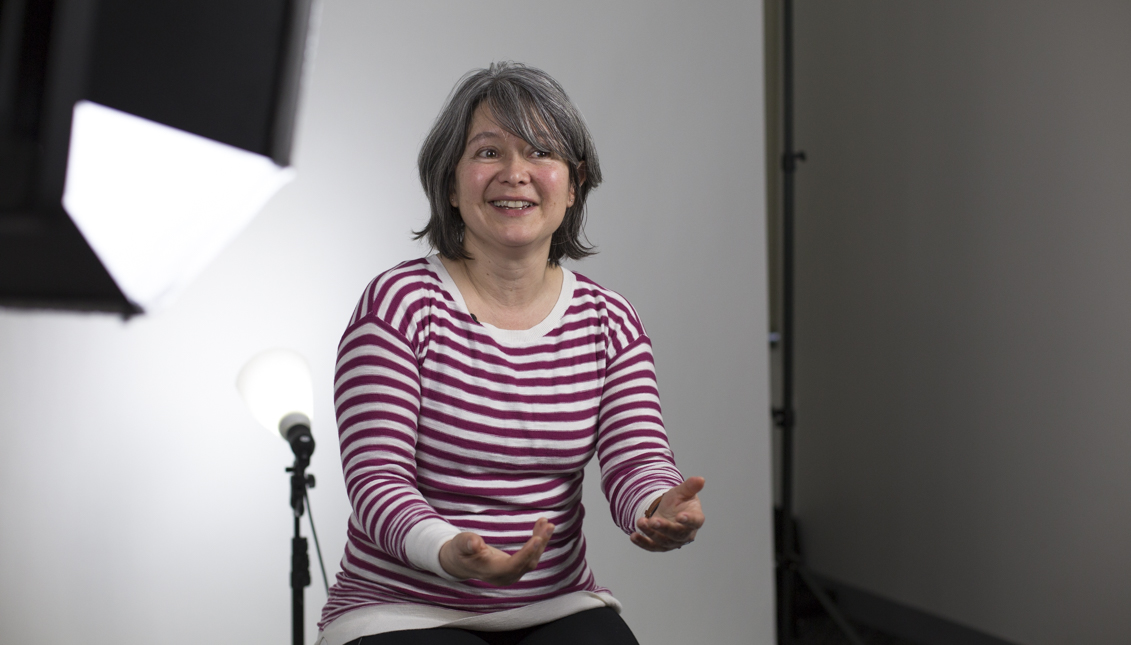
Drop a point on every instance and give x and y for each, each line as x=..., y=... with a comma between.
x=830, y=606
x=787, y=624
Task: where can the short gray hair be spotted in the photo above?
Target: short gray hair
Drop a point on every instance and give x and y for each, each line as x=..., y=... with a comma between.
x=530, y=104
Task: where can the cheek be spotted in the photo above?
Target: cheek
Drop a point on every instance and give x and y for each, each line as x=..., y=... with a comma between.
x=558, y=181
x=464, y=185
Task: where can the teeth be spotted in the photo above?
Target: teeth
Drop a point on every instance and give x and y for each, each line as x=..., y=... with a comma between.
x=512, y=204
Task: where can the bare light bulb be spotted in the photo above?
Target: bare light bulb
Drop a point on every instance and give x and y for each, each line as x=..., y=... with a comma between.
x=277, y=388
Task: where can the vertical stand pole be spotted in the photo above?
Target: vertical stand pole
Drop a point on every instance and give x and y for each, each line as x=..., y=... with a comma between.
x=790, y=567
x=785, y=416
x=300, y=556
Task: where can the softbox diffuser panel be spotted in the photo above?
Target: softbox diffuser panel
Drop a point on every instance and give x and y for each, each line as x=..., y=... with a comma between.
x=122, y=169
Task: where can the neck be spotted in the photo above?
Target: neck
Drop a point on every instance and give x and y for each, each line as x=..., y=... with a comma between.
x=507, y=284
x=509, y=292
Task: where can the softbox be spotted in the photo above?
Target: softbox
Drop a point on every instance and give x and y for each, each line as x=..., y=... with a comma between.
x=137, y=137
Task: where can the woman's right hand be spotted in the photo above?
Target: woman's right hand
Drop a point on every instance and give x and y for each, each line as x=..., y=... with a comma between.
x=468, y=556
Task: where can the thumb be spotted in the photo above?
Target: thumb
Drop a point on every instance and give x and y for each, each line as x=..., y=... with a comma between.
x=688, y=489
x=468, y=543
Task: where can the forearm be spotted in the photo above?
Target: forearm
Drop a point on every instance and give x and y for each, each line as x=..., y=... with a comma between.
x=636, y=461
x=377, y=397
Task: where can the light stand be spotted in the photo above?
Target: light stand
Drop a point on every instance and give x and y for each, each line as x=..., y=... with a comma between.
x=277, y=387
x=302, y=443
x=790, y=565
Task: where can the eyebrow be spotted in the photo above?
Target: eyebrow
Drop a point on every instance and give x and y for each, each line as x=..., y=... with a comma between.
x=486, y=134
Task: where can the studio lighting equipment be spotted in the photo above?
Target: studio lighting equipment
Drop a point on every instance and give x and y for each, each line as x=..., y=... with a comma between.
x=791, y=569
x=277, y=388
x=138, y=137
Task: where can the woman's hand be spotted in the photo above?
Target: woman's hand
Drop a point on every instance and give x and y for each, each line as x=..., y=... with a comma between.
x=468, y=556
x=676, y=520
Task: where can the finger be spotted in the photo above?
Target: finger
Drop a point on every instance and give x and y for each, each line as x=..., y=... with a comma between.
x=676, y=531
x=526, y=558
x=664, y=539
x=543, y=529
x=540, y=535
x=689, y=514
x=691, y=518
x=510, y=567
x=657, y=545
x=529, y=554
x=644, y=543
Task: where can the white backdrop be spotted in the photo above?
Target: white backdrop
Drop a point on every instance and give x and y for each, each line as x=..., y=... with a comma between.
x=140, y=503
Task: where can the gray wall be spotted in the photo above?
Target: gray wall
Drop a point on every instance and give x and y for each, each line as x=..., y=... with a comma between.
x=964, y=314
x=139, y=501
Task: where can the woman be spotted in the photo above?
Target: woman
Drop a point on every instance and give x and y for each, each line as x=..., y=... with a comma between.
x=473, y=386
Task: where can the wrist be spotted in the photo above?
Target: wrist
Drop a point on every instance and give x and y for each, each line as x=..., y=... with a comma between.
x=450, y=564
x=443, y=557
x=424, y=542
x=651, y=510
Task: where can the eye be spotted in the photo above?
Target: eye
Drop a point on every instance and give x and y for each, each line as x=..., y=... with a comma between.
x=487, y=153
x=541, y=154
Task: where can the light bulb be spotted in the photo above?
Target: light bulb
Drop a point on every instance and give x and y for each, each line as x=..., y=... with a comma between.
x=276, y=386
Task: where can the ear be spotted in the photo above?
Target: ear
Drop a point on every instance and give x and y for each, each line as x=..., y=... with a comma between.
x=580, y=181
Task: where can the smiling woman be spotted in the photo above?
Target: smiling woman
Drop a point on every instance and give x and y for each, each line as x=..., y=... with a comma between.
x=511, y=195
x=519, y=102
x=473, y=386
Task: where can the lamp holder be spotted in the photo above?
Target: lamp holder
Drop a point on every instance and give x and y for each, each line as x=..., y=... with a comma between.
x=295, y=429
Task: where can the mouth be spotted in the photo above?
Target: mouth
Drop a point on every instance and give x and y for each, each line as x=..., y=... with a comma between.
x=508, y=204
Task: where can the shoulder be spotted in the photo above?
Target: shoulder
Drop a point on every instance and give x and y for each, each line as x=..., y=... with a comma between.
x=395, y=295
x=618, y=318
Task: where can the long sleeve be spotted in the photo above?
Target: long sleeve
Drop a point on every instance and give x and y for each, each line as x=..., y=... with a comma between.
x=632, y=446
x=377, y=401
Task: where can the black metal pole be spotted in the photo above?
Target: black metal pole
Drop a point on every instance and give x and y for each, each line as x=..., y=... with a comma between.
x=785, y=417
x=300, y=555
x=791, y=568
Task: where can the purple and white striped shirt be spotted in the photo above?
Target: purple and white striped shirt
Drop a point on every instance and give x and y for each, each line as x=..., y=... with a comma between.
x=449, y=425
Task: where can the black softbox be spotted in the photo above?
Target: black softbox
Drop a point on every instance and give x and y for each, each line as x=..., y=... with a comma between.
x=222, y=71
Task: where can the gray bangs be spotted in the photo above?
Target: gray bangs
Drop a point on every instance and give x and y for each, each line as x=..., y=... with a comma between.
x=538, y=120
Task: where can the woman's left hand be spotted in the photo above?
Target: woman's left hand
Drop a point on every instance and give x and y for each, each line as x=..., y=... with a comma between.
x=676, y=520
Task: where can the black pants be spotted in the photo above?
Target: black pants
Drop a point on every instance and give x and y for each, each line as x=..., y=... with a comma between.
x=601, y=626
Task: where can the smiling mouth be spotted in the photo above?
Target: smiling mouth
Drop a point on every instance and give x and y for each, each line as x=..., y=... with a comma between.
x=513, y=205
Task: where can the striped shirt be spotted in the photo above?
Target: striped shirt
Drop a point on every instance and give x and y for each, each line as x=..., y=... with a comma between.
x=449, y=425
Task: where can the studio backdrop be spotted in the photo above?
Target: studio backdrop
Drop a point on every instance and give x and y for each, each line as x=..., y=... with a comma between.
x=142, y=504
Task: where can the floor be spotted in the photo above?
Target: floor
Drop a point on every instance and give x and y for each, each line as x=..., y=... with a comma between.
x=821, y=630
x=816, y=627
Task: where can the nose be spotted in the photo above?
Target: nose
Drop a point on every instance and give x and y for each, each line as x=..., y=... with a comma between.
x=515, y=170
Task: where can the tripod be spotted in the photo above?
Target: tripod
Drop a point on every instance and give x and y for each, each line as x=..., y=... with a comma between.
x=790, y=566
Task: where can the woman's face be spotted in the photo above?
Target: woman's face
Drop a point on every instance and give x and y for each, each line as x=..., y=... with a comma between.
x=512, y=196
